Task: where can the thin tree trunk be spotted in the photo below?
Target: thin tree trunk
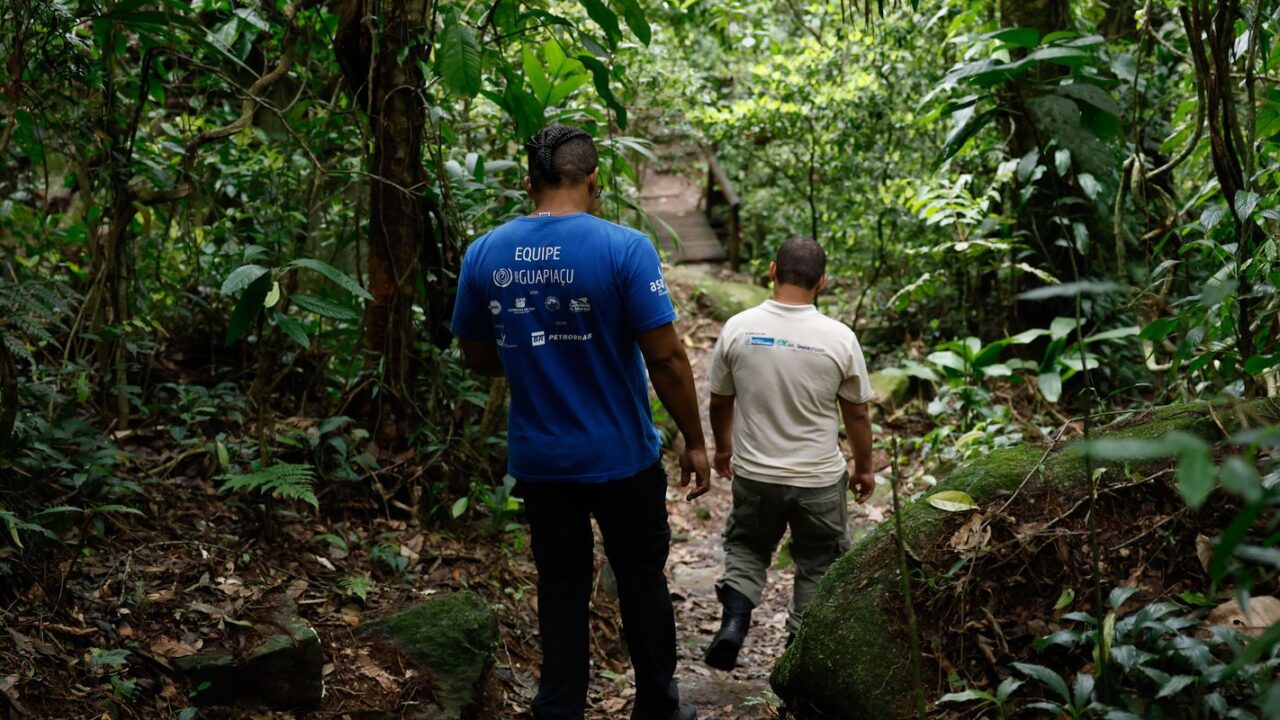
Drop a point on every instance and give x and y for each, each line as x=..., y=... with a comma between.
x=379, y=60
x=8, y=398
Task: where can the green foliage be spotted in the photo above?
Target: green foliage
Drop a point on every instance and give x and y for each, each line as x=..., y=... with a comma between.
x=283, y=481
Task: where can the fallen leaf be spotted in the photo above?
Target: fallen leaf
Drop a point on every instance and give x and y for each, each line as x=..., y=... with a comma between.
x=972, y=536
x=168, y=647
x=1264, y=611
x=1204, y=551
x=952, y=501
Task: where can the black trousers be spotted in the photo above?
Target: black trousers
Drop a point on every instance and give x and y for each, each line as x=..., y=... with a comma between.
x=632, y=514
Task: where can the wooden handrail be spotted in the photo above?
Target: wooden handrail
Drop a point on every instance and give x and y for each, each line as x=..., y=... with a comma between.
x=716, y=177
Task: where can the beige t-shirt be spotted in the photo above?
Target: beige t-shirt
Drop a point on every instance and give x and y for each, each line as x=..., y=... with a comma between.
x=786, y=365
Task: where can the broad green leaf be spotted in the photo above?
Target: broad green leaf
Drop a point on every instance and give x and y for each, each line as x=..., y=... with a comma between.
x=1062, y=162
x=1195, y=476
x=636, y=20
x=1062, y=326
x=325, y=308
x=1051, y=679
x=248, y=307
x=536, y=76
x=605, y=18
x=1065, y=599
x=1089, y=185
x=1092, y=96
x=293, y=329
x=1259, y=363
x=1246, y=203
x=1072, y=289
x=1023, y=37
x=565, y=88
x=1176, y=684
x=1120, y=595
x=241, y=278
x=968, y=124
x=952, y=501
x=273, y=296
x=1050, y=385
x=1006, y=689
x=459, y=506
x=600, y=74
x=1240, y=478
x=458, y=55
x=342, y=279
x=969, y=695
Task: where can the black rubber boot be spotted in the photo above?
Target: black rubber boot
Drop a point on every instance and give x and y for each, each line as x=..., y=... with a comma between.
x=722, y=653
x=686, y=712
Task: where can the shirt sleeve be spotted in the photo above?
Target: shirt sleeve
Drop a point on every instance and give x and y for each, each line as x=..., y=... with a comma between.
x=856, y=387
x=471, y=318
x=644, y=291
x=720, y=374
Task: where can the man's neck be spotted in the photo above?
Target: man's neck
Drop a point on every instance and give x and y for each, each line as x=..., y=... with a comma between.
x=568, y=201
x=793, y=295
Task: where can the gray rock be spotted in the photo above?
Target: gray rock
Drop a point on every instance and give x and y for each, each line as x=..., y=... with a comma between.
x=452, y=639
x=283, y=671
x=890, y=388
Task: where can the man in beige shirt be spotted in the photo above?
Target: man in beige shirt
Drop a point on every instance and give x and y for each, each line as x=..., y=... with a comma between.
x=781, y=376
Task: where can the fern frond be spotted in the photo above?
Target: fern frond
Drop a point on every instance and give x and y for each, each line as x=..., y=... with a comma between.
x=284, y=481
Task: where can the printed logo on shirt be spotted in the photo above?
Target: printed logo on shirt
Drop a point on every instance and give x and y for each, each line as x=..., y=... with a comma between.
x=521, y=307
x=503, y=277
x=579, y=305
x=658, y=286
x=760, y=341
x=552, y=303
x=539, y=338
x=569, y=338
x=495, y=307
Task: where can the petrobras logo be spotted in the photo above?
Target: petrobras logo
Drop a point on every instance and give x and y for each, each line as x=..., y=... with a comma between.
x=502, y=277
x=538, y=338
x=579, y=305
x=569, y=338
x=760, y=341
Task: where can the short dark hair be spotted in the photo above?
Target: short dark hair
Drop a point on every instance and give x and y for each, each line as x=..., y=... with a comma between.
x=802, y=262
x=560, y=156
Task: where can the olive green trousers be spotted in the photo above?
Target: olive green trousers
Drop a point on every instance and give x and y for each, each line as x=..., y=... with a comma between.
x=762, y=512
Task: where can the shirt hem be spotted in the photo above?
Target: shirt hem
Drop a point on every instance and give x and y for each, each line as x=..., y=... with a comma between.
x=591, y=478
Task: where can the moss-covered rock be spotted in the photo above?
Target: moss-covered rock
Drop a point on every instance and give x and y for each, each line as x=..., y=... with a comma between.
x=850, y=658
x=452, y=638
x=890, y=388
x=723, y=298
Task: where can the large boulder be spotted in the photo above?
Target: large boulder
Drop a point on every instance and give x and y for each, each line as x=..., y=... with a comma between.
x=723, y=298
x=452, y=639
x=850, y=659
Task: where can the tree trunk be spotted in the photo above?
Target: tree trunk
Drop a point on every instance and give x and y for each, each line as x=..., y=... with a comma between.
x=379, y=58
x=8, y=398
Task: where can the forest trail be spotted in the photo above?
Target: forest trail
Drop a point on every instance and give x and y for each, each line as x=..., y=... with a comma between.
x=674, y=200
x=697, y=555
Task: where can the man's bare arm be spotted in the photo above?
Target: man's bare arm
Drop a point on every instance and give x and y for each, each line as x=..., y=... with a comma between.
x=672, y=378
x=857, y=423
x=481, y=357
x=722, y=430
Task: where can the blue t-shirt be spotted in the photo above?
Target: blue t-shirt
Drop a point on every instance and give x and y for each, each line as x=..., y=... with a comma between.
x=563, y=297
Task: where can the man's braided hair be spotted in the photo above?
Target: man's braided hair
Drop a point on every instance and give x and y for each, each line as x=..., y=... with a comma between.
x=560, y=155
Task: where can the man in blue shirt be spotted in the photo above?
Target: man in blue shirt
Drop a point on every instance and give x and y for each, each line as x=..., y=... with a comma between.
x=573, y=309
